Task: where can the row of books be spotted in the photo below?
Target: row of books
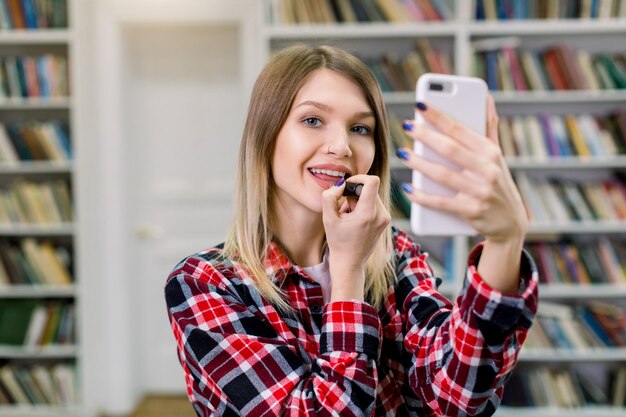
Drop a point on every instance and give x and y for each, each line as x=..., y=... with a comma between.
x=353, y=11
x=34, y=141
x=29, y=202
x=564, y=388
x=40, y=76
x=582, y=327
x=546, y=136
x=396, y=73
x=601, y=261
x=549, y=9
x=31, y=323
x=556, y=67
x=554, y=200
x=33, y=14
x=38, y=384
x=30, y=262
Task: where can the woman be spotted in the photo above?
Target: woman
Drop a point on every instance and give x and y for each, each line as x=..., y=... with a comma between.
x=315, y=305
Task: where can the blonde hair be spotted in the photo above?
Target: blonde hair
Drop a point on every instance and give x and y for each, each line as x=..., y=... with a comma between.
x=272, y=97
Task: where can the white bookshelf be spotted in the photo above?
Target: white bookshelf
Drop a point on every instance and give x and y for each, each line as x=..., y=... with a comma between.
x=16, y=42
x=456, y=36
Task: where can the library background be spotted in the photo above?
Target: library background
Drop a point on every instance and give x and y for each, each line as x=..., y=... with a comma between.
x=100, y=196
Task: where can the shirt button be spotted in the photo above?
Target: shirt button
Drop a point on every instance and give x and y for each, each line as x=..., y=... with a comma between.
x=316, y=308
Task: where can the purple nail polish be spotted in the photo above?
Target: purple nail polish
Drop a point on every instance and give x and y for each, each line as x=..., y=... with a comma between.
x=402, y=154
x=407, y=125
x=407, y=187
x=340, y=182
x=421, y=106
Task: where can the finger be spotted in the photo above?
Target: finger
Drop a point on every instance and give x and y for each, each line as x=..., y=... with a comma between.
x=369, y=192
x=492, y=120
x=344, y=205
x=330, y=201
x=436, y=202
x=464, y=181
x=452, y=127
x=451, y=149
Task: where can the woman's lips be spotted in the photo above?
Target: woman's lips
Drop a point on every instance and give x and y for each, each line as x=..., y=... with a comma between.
x=323, y=180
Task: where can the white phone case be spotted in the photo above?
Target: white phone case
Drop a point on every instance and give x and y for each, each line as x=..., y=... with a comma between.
x=464, y=99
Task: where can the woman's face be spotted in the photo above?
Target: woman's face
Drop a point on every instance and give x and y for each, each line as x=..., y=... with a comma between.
x=328, y=134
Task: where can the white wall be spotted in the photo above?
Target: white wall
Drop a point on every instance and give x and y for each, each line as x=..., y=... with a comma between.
x=113, y=347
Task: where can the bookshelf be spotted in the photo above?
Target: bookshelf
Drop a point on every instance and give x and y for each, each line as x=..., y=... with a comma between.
x=600, y=32
x=39, y=287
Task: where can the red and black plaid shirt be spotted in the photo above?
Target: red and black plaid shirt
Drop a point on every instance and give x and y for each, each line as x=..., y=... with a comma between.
x=420, y=355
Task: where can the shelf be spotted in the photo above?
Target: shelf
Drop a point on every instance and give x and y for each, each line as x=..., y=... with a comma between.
x=599, y=227
x=38, y=352
x=567, y=162
x=574, y=291
x=36, y=167
x=560, y=96
x=36, y=291
x=59, y=103
x=526, y=97
x=39, y=411
x=569, y=355
x=360, y=30
x=64, y=229
x=561, y=163
x=35, y=36
x=591, y=411
x=542, y=27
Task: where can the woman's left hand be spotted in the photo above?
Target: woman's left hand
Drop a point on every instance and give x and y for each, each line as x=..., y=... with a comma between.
x=487, y=197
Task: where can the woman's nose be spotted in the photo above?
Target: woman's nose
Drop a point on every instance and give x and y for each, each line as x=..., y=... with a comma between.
x=339, y=145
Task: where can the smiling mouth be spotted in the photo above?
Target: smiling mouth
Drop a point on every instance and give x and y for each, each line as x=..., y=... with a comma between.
x=327, y=174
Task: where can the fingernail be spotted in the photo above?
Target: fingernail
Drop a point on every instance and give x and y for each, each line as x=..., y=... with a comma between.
x=407, y=187
x=421, y=106
x=402, y=154
x=340, y=182
x=407, y=125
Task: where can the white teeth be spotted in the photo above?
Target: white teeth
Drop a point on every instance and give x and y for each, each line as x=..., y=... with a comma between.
x=328, y=172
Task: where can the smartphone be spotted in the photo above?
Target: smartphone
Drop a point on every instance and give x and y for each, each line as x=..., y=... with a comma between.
x=464, y=99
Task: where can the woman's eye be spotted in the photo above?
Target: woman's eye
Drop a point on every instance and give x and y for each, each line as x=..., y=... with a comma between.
x=362, y=130
x=313, y=122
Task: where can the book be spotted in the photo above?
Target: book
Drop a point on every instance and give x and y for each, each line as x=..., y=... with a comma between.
x=7, y=151
x=577, y=138
x=393, y=11
x=515, y=69
x=534, y=133
x=8, y=379
x=619, y=387
x=554, y=71
x=43, y=378
x=15, y=317
x=550, y=142
x=26, y=383
x=586, y=69
x=35, y=148
x=56, y=271
x=17, y=14
x=64, y=378
x=505, y=134
x=36, y=326
x=534, y=75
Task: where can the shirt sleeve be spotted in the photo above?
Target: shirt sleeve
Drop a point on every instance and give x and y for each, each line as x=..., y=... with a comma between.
x=460, y=355
x=240, y=358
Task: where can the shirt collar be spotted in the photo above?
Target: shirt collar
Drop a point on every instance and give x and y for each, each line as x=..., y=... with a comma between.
x=278, y=266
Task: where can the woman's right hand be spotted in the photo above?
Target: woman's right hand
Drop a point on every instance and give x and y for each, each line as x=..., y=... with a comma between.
x=353, y=228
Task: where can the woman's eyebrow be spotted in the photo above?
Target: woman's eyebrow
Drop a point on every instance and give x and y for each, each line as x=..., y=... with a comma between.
x=329, y=109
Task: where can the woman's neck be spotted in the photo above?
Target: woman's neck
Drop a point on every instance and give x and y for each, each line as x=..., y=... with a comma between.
x=301, y=235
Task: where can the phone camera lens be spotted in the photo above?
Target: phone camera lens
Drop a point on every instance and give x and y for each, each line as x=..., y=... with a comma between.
x=436, y=87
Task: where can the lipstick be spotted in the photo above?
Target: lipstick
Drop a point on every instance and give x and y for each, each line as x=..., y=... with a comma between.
x=353, y=189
